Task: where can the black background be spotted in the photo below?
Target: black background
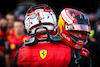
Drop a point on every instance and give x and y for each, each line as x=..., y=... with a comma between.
x=86, y=6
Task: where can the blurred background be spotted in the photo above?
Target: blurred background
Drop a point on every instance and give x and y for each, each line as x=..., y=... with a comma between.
x=90, y=6
x=19, y=7
x=12, y=13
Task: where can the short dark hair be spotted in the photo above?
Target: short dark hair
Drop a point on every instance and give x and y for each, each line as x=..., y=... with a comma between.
x=18, y=21
x=10, y=12
x=3, y=18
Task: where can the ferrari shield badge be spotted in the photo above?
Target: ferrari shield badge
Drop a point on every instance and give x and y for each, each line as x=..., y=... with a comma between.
x=43, y=53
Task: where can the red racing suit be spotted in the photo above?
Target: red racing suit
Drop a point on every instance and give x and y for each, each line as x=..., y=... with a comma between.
x=50, y=55
x=43, y=55
x=84, y=58
x=3, y=39
x=4, y=36
x=14, y=44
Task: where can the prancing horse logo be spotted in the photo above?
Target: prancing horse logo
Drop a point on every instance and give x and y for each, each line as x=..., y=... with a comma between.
x=43, y=53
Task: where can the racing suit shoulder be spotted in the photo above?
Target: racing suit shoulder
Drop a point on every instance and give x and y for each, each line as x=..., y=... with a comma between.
x=48, y=55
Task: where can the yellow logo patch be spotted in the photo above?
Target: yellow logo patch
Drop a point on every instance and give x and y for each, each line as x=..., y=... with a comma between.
x=12, y=46
x=25, y=38
x=9, y=37
x=43, y=53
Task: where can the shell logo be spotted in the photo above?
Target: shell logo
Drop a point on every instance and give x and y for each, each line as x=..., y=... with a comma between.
x=12, y=46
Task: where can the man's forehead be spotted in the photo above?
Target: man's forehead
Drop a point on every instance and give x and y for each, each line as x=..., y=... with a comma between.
x=18, y=23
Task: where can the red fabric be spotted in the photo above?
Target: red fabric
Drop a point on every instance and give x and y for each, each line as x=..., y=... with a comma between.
x=6, y=34
x=1, y=34
x=14, y=44
x=10, y=34
x=2, y=49
x=4, y=37
x=84, y=52
x=58, y=55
